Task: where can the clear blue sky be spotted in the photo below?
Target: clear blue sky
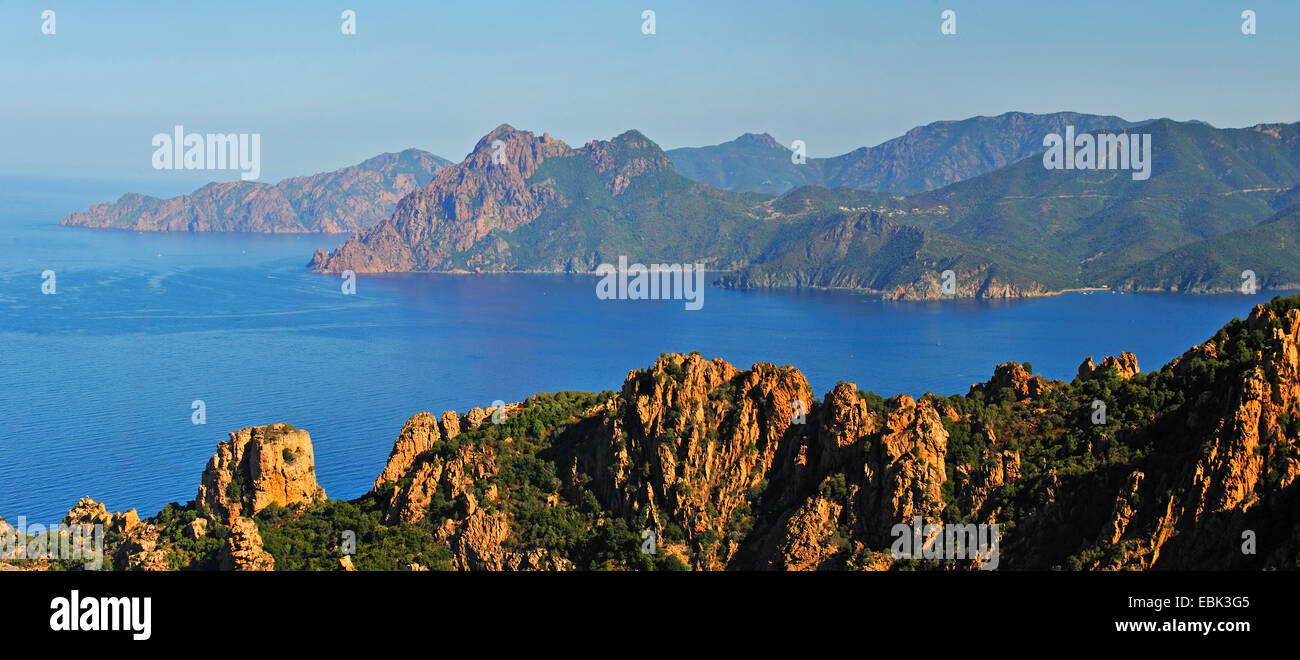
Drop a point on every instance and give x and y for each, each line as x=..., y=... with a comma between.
x=438, y=75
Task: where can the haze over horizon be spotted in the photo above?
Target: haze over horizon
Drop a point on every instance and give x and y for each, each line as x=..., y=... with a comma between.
x=85, y=101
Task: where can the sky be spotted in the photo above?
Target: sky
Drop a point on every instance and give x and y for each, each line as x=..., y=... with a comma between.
x=86, y=101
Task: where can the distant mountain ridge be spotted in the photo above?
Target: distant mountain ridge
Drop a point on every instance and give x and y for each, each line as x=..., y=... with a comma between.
x=538, y=205
x=345, y=200
x=925, y=158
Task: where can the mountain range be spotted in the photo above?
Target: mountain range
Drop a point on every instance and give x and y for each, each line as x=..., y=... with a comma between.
x=341, y=201
x=925, y=158
x=1218, y=205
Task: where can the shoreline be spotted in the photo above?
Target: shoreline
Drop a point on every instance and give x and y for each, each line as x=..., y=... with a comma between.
x=852, y=290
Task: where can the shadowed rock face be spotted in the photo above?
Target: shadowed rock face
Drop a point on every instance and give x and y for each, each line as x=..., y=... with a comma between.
x=259, y=466
x=688, y=440
x=346, y=200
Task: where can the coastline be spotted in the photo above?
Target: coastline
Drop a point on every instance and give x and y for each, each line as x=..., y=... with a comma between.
x=853, y=290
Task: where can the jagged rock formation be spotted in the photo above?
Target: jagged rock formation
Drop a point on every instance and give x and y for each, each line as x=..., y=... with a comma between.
x=709, y=457
x=243, y=550
x=1014, y=376
x=259, y=466
x=688, y=440
x=453, y=477
x=479, y=543
x=417, y=436
x=139, y=548
x=87, y=511
x=1226, y=465
x=346, y=200
x=874, y=467
x=1126, y=365
x=142, y=549
x=422, y=431
x=447, y=482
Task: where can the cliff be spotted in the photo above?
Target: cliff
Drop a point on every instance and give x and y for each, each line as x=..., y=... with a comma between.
x=257, y=467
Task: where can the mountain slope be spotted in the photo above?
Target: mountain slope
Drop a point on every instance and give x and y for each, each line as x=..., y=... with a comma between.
x=1096, y=225
x=925, y=158
x=345, y=200
x=752, y=162
x=876, y=252
x=1271, y=250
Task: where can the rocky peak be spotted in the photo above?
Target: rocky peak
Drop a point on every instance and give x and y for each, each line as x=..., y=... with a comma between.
x=422, y=431
x=243, y=550
x=1015, y=376
x=905, y=468
x=259, y=466
x=627, y=156
x=1235, y=463
x=520, y=153
x=759, y=140
x=90, y=512
x=417, y=436
x=1126, y=364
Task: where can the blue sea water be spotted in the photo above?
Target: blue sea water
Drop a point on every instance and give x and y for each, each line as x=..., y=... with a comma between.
x=97, y=380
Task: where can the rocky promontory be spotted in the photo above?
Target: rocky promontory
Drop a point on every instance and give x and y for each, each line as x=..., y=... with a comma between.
x=351, y=199
x=257, y=467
